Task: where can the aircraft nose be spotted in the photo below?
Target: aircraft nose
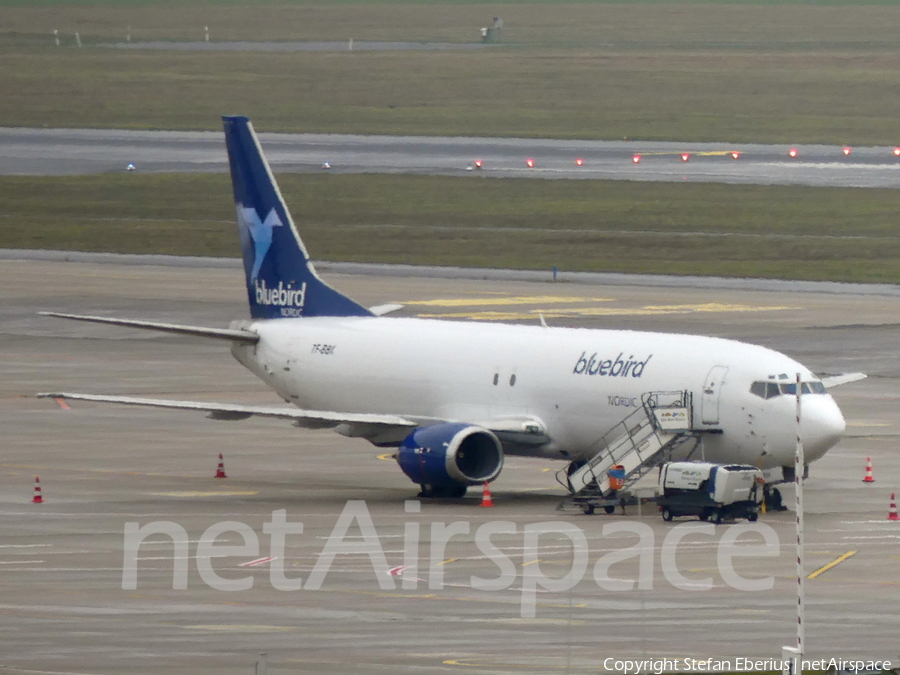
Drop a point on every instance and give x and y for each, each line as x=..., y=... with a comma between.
x=821, y=425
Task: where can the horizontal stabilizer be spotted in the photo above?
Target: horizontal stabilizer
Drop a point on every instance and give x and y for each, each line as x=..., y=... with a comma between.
x=846, y=378
x=231, y=334
x=381, y=310
x=231, y=411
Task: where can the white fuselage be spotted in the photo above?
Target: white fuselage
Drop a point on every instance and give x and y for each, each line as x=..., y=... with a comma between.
x=578, y=382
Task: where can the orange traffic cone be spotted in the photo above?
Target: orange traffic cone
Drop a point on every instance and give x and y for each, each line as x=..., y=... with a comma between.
x=868, y=478
x=38, y=498
x=892, y=513
x=486, y=499
x=220, y=470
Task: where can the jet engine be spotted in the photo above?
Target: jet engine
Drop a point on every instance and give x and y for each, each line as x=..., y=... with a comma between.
x=445, y=459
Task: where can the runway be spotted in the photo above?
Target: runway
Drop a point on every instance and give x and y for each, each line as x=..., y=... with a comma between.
x=88, y=151
x=64, y=608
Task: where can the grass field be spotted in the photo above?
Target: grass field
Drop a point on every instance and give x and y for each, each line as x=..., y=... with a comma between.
x=745, y=71
x=673, y=228
x=792, y=73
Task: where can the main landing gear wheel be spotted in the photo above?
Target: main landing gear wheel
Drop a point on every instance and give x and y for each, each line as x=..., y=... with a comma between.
x=443, y=491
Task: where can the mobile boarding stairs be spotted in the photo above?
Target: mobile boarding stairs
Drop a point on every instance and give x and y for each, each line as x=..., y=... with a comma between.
x=630, y=450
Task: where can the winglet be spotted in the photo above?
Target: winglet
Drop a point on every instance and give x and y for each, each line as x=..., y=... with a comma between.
x=837, y=380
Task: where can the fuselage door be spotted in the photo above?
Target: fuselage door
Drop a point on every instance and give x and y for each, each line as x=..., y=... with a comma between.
x=709, y=402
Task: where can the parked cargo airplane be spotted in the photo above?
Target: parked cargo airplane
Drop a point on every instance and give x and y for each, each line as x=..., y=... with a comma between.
x=456, y=397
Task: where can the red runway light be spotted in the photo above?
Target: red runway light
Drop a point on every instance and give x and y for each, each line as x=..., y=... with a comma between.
x=636, y=159
x=478, y=163
x=579, y=161
x=792, y=152
x=897, y=151
x=685, y=156
x=735, y=155
x=846, y=151
x=529, y=163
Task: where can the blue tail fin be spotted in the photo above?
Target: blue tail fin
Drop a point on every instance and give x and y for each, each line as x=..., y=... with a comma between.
x=281, y=280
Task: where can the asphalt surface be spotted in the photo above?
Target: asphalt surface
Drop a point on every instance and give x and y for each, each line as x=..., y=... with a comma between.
x=88, y=151
x=63, y=608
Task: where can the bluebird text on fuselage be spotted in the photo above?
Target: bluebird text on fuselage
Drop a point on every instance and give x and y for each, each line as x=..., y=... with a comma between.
x=591, y=365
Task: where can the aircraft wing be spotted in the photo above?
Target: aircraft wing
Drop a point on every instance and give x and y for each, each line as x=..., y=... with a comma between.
x=837, y=380
x=379, y=428
x=235, y=335
x=229, y=411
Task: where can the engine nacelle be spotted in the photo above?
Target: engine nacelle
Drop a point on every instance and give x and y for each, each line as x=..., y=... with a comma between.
x=446, y=458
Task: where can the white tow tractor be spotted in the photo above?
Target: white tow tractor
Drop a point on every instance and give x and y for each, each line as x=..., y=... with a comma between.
x=710, y=491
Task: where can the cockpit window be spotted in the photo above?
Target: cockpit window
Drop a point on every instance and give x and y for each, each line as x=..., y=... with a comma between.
x=769, y=389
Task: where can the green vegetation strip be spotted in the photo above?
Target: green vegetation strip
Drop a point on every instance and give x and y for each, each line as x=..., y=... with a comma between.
x=785, y=232
x=783, y=73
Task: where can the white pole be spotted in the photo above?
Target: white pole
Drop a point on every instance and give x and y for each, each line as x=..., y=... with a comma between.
x=351, y=44
x=77, y=39
x=206, y=33
x=799, y=463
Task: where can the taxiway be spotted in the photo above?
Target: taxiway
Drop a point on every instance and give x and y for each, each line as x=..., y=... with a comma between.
x=63, y=607
x=90, y=151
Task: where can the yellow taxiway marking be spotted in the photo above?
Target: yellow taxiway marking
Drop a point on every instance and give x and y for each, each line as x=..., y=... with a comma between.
x=518, y=300
x=198, y=493
x=836, y=561
x=574, y=312
x=447, y=561
x=386, y=456
x=531, y=562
